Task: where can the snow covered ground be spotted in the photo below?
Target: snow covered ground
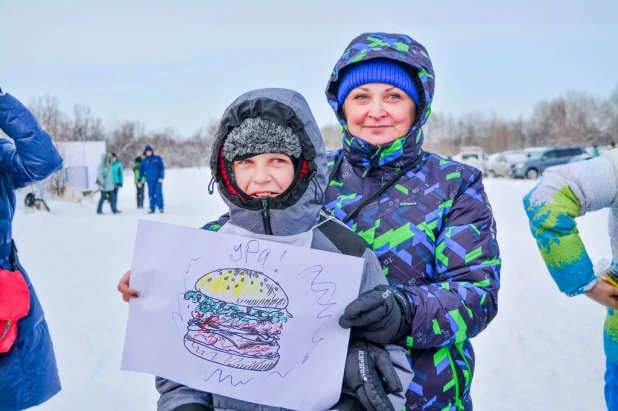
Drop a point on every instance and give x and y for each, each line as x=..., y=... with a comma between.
x=542, y=352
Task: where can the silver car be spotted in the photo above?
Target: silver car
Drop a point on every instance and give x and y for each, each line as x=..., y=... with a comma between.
x=499, y=164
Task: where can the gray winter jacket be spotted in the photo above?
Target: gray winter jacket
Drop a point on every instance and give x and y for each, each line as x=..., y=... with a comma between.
x=294, y=214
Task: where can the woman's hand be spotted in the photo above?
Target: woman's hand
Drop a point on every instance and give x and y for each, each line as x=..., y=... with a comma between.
x=381, y=315
x=123, y=287
x=604, y=294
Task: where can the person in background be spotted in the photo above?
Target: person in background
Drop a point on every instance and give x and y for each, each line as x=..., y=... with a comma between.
x=552, y=207
x=28, y=371
x=612, y=145
x=153, y=169
x=595, y=151
x=139, y=184
x=105, y=180
x=118, y=173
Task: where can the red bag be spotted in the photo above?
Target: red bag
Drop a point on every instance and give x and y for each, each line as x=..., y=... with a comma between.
x=14, y=304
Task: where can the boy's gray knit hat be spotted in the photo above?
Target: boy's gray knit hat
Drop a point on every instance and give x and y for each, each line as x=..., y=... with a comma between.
x=258, y=136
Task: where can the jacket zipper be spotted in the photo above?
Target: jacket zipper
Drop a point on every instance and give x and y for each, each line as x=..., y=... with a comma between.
x=266, y=216
x=458, y=347
x=458, y=402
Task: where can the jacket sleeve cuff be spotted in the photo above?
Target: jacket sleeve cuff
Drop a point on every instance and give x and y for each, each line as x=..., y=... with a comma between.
x=584, y=288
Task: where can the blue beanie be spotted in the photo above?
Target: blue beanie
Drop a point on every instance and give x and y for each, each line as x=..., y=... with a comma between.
x=148, y=148
x=376, y=71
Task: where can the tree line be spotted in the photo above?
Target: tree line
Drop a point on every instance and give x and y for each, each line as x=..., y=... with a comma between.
x=574, y=118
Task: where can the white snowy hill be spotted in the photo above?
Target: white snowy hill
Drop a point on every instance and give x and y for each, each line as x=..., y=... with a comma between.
x=543, y=351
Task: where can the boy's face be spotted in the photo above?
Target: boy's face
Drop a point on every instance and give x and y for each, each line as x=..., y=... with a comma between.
x=379, y=113
x=264, y=175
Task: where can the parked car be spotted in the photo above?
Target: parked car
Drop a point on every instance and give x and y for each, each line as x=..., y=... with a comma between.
x=575, y=159
x=538, y=161
x=473, y=156
x=499, y=164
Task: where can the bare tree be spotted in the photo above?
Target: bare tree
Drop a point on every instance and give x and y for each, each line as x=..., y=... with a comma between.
x=85, y=126
x=572, y=118
x=124, y=141
x=331, y=134
x=46, y=109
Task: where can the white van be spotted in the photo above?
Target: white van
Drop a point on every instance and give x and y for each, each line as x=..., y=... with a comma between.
x=473, y=156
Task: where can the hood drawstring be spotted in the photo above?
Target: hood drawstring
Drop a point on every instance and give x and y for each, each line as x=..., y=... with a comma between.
x=211, y=185
x=318, y=198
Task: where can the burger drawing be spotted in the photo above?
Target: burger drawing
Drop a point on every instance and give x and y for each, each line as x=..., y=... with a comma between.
x=238, y=319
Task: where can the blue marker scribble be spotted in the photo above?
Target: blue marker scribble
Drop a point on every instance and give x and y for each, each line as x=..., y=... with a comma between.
x=326, y=295
x=327, y=291
x=178, y=314
x=220, y=371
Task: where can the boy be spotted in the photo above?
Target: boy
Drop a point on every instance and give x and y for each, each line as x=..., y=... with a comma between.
x=270, y=165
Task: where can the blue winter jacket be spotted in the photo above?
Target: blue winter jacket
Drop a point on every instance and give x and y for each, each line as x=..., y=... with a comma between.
x=430, y=224
x=28, y=373
x=152, y=167
x=118, y=172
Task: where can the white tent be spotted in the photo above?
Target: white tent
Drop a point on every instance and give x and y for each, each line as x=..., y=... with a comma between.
x=81, y=160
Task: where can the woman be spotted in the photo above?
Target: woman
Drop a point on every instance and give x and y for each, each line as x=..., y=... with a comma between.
x=28, y=373
x=427, y=219
x=105, y=180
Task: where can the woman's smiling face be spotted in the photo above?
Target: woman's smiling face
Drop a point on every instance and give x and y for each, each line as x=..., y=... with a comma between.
x=379, y=113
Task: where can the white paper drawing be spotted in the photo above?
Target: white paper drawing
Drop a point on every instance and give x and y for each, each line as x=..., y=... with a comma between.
x=241, y=317
x=238, y=319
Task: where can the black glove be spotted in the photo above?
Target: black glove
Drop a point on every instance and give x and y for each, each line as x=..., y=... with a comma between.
x=370, y=374
x=347, y=402
x=381, y=315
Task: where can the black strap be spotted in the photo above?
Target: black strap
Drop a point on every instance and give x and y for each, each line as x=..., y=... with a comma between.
x=346, y=241
x=384, y=187
x=9, y=250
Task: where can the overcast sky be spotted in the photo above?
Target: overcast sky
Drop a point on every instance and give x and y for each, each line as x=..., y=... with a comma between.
x=179, y=64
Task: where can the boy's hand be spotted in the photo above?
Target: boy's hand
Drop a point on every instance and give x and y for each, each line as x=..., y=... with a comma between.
x=370, y=375
x=123, y=287
x=604, y=294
